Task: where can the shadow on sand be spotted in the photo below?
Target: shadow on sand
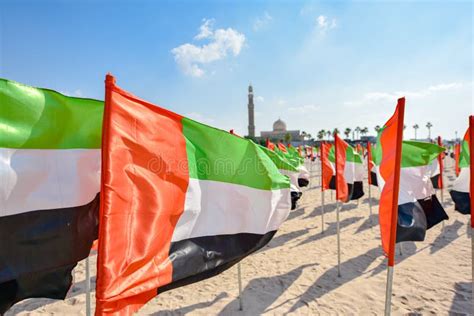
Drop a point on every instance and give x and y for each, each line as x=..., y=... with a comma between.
x=370, y=222
x=330, y=230
x=462, y=301
x=192, y=308
x=446, y=236
x=260, y=293
x=350, y=269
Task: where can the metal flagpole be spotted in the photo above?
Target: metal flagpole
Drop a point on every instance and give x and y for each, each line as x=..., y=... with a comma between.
x=370, y=205
x=472, y=260
x=322, y=211
x=388, y=292
x=338, y=241
x=442, y=204
x=88, y=289
x=400, y=248
x=471, y=196
x=241, y=299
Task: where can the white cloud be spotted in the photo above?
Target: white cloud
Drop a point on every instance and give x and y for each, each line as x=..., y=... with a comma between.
x=190, y=57
x=324, y=24
x=260, y=99
x=372, y=97
x=199, y=117
x=281, y=102
x=262, y=21
x=205, y=30
x=304, y=108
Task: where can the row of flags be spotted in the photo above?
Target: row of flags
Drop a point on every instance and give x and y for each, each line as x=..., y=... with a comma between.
x=173, y=201
x=170, y=200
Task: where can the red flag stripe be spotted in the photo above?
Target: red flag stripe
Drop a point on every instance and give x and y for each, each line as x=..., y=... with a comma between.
x=342, y=192
x=391, y=145
x=326, y=168
x=440, y=163
x=369, y=162
x=128, y=201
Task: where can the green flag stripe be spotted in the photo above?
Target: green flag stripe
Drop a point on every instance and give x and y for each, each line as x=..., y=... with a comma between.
x=279, y=161
x=464, y=157
x=351, y=155
x=34, y=118
x=414, y=153
x=216, y=155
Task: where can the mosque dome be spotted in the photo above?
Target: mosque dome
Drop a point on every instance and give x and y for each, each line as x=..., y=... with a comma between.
x=279, y=126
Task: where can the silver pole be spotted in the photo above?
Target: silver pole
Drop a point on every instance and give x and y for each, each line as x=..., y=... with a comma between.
x=331, y=195
x=322, y=211
x=472, y=265
x=388, y=293
x=370, y=205
x=338, y=241
x=400, y=248
x=88, y=289
x=442, y=204
x=241, y=299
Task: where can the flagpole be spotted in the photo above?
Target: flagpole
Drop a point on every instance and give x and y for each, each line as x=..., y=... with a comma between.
x=88, y=288
x=338, y=241
x=471, y=200
x=442, y=204
x=322, y=189
x=322, y=211
x=388, y=293
x=370, y=206
x=239, y=276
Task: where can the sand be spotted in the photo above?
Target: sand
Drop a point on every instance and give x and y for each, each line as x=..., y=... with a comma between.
x=296, y=273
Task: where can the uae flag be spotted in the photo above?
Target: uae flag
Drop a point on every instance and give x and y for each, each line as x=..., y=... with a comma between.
x=372, y=175
x=50, y=180
x=349, y=164
x=294, y=158
x=180, y=202
x=460, y=190
x=437, y=168
x=327, y=168
x=289, y=170
x=418, y=207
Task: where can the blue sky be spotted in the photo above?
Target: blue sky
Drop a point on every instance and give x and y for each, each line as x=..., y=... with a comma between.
x=317, y=65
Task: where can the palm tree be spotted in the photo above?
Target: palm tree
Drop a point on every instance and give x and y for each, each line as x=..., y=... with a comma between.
x=415, y=127
x=377, y=128
x=347, y=132
x=321, y=134
x=364, y=131
x=328, y=134
x=429, y=126
x=335, y=131
x=287, y=138
x=357, y=129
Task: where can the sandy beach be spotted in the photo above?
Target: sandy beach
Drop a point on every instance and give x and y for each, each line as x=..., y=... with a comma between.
x=296, y=273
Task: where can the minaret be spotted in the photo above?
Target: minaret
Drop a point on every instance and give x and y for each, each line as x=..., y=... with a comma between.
x=251, y=119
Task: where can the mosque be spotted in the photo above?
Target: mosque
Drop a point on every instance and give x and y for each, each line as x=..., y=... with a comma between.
x=279, y=131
